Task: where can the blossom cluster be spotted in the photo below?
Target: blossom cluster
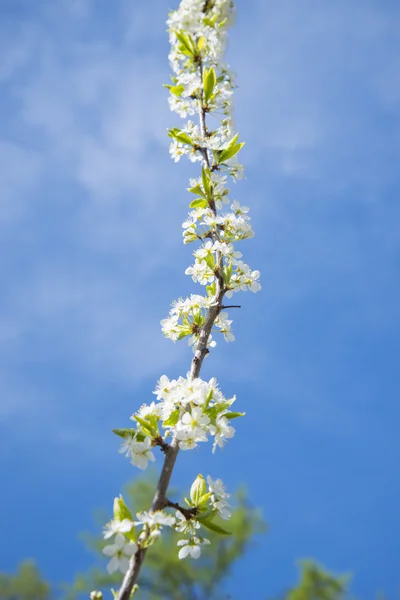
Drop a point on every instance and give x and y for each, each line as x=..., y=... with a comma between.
x=189, y=411
x=206, y=500
x=203, y=86
x=198, y=29
x=187, y=317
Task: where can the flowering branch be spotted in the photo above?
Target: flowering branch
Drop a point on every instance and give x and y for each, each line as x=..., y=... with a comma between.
x=189, y=410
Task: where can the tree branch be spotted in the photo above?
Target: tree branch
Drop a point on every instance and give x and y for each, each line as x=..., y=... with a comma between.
x=160, y=499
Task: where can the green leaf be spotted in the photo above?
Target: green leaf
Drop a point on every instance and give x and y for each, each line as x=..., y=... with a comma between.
x=196, y=190
x=211, y=22
x=210, y=261
x=200, y=43
x=215, y=410
x=172, y=419
x=233, y=141
x=227, y=273
x=181, y=136
x=209, y=398
x=124, y=433
x=209, y=81
x=183, y=334
x=210, y=289
x=134, y=590
x=231, y=150
x=184, y=40
x=204, y=499
x=145, y=424
x=176, y=90
x=121, y=511
x=213, y=527
x=198, y=203
x=205, y=512
x=205, y=179
x=233, y=415
x=131, y=535
x=184, y=138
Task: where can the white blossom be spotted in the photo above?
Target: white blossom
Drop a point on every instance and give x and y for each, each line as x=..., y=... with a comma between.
x=140, y=453
x=184, y=525
x=224, y=325
x=219, y=497
x=116, y=526
x=191, y=547
x=156, y=518
x=221, y=431
x=120, y=553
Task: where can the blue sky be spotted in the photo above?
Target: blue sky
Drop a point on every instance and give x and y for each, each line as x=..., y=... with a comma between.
x=91, y=257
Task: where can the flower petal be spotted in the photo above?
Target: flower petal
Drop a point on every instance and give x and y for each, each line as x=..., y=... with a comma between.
x=113, y=565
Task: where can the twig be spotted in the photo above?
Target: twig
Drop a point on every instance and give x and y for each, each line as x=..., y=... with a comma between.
x=188, y=513
x=231, y=306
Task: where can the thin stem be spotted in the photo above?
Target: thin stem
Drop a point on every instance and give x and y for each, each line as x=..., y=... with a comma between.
x=188, y=513
x=231, y=306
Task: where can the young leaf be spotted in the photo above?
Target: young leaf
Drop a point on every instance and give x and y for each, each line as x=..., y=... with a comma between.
x=210, y=261
x=200, y=43
x=183, y=334
x=121, y=511
x=209, y=81
x=172, y=419
x=211, y=289
x=230, y=152
x=198, y=203
x=204, y=499
x=196, y=190
x=176, y=90
x=184, y=138
x=179, y=135
x=131, y=535
x=205, y=180
x=145, y=424
x=213, y=527
x=232, y=148
x=124, y=433
x=184, y=41
x=233, y=415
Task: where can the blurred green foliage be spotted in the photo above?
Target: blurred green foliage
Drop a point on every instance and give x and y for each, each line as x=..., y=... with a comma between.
x=318, y=584
x=26, y=584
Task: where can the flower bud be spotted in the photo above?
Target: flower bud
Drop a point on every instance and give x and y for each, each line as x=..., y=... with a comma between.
x=121, y=511
x=198, y=489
